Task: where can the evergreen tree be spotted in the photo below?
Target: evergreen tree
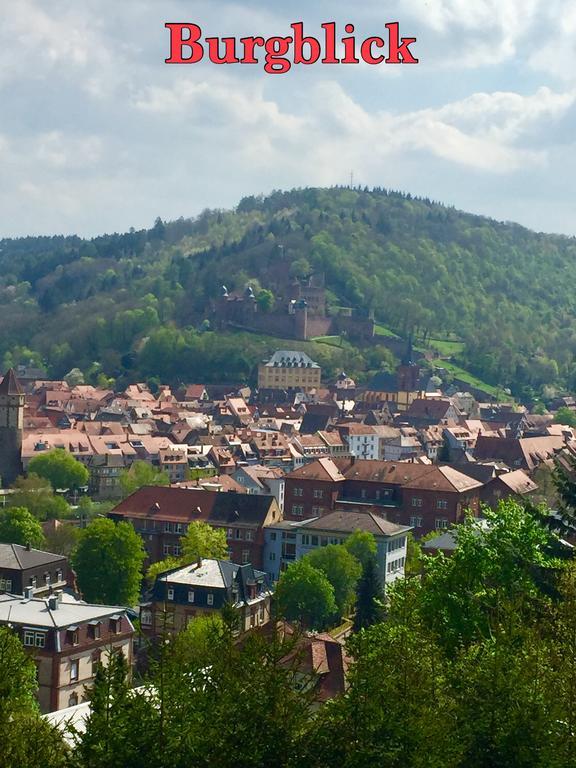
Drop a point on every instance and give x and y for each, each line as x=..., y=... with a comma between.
x=368, y=597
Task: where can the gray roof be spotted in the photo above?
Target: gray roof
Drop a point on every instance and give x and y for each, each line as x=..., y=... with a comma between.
x=16, y=557
x=216, y=574
x=36, y=612
x=291, y=358
x=345, y=521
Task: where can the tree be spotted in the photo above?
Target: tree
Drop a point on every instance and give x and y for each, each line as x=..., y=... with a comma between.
x=265, y=300
x=110, y=737
x=362, y=545
x=565, y=416
x=18, y=526
x=304, y=594
x=501, y=560
x=108, y=563
x=63, y=538
x=565, y=482
x=161, y=567
x=141, y=473
x=369, y=597
x=203, y=541
x=25, y=738
x=37, y=495
x=342, y=571
x=61, y=469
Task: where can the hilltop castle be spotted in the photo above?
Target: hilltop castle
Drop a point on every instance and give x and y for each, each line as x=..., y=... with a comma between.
x=299, y=311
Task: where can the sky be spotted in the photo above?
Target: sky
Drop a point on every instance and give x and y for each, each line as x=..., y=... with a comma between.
x=98, y=134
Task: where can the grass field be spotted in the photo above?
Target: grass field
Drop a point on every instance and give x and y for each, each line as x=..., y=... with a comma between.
x=474, y=381
x=381, y=330
x=447, y=347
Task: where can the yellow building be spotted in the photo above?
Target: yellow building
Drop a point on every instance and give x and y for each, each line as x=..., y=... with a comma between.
x=289, y=370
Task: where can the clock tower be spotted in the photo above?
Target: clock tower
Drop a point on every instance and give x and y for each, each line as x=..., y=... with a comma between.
x=11, y=428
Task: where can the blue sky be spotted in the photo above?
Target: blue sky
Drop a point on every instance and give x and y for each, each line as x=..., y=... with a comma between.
x=97, y=134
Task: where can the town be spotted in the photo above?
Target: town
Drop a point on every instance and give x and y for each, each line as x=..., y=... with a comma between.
x=278, y=472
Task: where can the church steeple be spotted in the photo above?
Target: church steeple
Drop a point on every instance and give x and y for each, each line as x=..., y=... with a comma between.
x=11, y=428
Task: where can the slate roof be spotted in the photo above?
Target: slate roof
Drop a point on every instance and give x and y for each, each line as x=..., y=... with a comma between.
x=16, y=557
x=348, y=521
x=292, y=359
x=10, y=385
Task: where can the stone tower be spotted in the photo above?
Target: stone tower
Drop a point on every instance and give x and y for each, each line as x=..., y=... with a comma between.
x=11, y=429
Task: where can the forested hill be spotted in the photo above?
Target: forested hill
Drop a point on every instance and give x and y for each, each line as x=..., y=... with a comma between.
x=138, y=303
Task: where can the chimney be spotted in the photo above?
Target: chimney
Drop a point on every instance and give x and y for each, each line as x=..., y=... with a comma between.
x=29, y=593
x=53, y=603
x=28, y=547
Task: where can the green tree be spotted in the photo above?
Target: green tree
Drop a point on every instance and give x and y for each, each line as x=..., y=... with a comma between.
x=304, y=594
x=565, y=416
x=161, y=567
x=18, y=526
x=203, y=541
x=110, y=737
x=63, y=539
x=60, y=468
x=108, y=563
x=265, y=300
x=342, y=571
x=26, y=740
x=501, y=560
x=369, y=597
x=362, y=545
x=37, y=495
x=141, y=473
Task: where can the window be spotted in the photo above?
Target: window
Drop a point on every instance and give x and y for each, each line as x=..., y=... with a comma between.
x=297, y=509
x=47, y=579
x=177, y=549
x=178, y=528
x=170, y=593
x=416, y=502
x=190, y=595
x=442, y=504
x=272, y=556
x=167, y=549
x=28, y=637
x=40, y=639
x=305, y=540
x=210, y=599
x=72, y=635
x=318, y=493
x=249, y=535
x=245, y=556
x=230, y=533
x=314, y=541
x=416, y=522
x=441, y=523
x=5, y=585
x=298, y=491
x=167, y=527
x=146, y=617
x=73, y=700
x=116, y=625
x=237, y=533
x=74, y=671
x=33, y=582
x=273, y=536
x=317, y=511
x=363, y=493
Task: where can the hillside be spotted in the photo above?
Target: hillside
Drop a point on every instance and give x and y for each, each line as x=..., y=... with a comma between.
x=138, y=303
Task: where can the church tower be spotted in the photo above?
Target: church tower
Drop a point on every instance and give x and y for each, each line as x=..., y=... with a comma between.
x=11, y=428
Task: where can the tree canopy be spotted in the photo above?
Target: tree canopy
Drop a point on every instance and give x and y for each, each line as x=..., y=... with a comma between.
x=18, y=526
x=304, y=594
x=108, y=563
x=60, y=468
x=141, y=473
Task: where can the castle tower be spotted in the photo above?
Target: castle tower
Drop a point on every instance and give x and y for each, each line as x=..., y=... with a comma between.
x=11, y=428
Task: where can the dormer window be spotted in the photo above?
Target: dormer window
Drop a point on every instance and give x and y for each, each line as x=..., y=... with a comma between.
x=72, y=635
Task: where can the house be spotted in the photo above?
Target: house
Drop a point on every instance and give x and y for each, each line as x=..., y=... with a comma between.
x=290, y=370
x=204, y=588
x=311, y=490
x=516, y=484
x=67, y=639
x=426, y=412
x=161, y=515
x=288, y=541
x=321, y=662
x=23, y=569
x=362, y=440
x=519, y=453
x=260, y=480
